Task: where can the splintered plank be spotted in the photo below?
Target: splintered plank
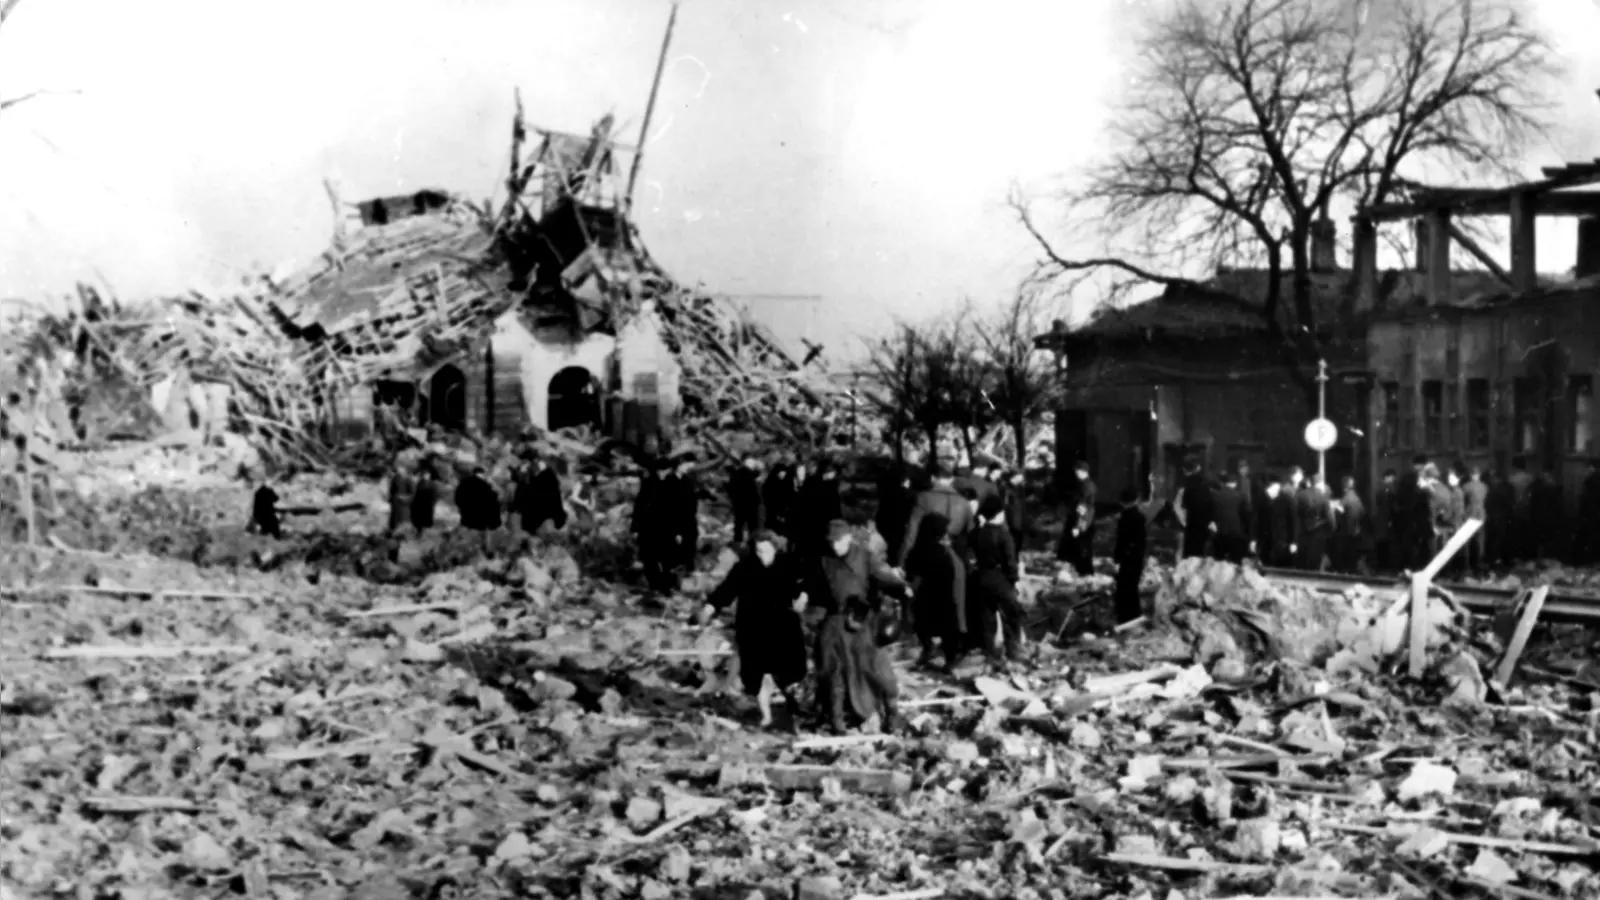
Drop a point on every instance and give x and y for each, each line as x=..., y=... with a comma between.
x=113, y=652
x=1519, y=638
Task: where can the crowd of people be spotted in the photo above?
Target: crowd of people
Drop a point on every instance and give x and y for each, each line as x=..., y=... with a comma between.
x=1296, y=521
x=942, y=572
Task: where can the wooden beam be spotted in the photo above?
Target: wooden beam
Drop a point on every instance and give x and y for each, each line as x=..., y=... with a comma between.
x=1519, y=638
x=1451, y=548
x=1524, y=242
x=1365, y=264
x=1491, y=201
x=1478, y=253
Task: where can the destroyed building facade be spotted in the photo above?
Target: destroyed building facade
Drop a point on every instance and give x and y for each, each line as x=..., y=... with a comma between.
x=1481, y=366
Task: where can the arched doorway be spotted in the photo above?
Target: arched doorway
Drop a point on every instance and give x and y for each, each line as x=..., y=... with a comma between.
x=447, y=398
x=574, y=400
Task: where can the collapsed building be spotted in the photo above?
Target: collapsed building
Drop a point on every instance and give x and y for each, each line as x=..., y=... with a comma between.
x=547, y=313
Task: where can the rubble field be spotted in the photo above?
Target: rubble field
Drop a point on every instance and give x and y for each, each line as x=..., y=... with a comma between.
x=212, y=724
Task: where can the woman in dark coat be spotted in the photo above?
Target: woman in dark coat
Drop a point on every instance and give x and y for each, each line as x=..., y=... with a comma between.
x=938, y=584
x=764, y=588
x=538, y=498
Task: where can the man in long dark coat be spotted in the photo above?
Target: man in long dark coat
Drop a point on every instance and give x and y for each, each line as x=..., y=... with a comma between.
x=478, y=503
x=993, y=584
x=817, y=503
x=1381, y=524
x=656, y=530
x=1350, y=540
x=943, y=499
x=1129, y=556
x=538, y=499
x=264, y=512
x=744, y=496
x=1588, y=525
x=1198, y=510
x=683, y=492
x=856, y=683
x=1314, y=509
x=1077, y=532
x=777, y=498
x=1284, y=525
x=1230, y=528
x=894, y=507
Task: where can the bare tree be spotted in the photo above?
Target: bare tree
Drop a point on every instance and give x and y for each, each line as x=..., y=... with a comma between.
x=1246, y=119
x=897, y=370
x=7, y=7
x=1022, y=382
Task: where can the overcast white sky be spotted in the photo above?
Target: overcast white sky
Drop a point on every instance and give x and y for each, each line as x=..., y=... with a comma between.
x=855, y=149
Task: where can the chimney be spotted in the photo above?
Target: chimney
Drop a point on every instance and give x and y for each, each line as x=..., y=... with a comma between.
x=1588, y=247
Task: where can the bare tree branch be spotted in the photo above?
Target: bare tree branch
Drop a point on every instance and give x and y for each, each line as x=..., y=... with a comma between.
x=9, y=102
x=1245, y=120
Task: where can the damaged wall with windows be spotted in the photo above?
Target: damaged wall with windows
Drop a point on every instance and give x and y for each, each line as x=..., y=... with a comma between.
x=1503, y=374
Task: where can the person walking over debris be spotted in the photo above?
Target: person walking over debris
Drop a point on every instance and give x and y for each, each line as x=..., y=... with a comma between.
x=478, y=503
x=1350, y=529
x=1077, y=533
x=993, y=585
x=1475, y=505
x=1196, y=510
x=1380, y=524
x=777, y=497
x=939, y=499
x=1129, y=556
x=653, y=531
x=744, y=497
x=538, y=499
x=938, y=581
x=683, y=511
x=402, y=489
x=764, y=588
x=264, y=512
x=817, y=503
x=1230, y=521
x=856, y=683
x=1588, y=524
x=847, y=569
x=424, y=498
x=1314, y=509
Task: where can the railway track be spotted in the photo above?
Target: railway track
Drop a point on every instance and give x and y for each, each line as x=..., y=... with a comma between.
x=1563, y=605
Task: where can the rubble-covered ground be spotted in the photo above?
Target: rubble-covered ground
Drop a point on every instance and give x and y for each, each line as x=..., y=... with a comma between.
x=246, y=717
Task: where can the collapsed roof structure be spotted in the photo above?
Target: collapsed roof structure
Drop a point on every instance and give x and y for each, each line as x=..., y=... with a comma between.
x=430, y=283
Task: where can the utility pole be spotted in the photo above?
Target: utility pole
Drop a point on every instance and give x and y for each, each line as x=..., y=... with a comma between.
x=649, y=110
x=1322, y=415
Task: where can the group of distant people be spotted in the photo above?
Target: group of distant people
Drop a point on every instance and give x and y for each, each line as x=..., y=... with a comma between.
x=1295, y=521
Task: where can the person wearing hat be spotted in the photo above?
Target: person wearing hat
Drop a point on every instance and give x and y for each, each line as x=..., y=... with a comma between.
x=992, y=588
x=683, y=512
x=1129, y=555
x=744, y=497
x=478, y=503
x=777, y=497
x=856, y=684
x=938, y=580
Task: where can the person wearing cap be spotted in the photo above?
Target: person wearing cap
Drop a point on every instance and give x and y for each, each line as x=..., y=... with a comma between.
x=992, y=589
x=846, y=570
x=943, y=499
